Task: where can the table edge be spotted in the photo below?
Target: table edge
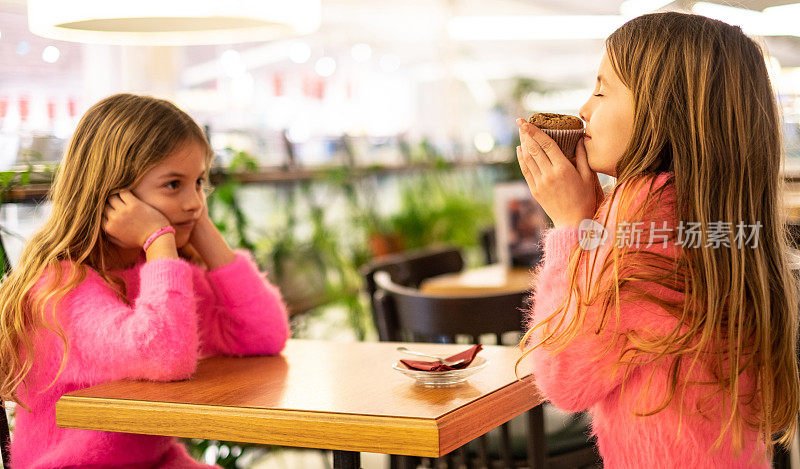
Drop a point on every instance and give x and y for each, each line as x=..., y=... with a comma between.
x=412, y=436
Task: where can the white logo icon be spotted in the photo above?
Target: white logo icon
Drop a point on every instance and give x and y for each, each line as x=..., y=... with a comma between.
x=592, y=234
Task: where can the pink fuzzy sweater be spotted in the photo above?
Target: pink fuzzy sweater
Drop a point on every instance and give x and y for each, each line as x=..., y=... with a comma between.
x=180, y=313
x=572, y=381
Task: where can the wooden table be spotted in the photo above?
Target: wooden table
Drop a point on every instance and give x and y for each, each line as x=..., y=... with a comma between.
x=339, y=396
x=495, y=278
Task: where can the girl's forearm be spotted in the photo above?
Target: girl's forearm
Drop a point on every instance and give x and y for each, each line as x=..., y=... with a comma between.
x=162, y=248
x=211, y=246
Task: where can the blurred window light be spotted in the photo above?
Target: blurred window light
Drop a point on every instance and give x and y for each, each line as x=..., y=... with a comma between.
x=773, y=21
x=773, y=65
x=241, y=89
x=558, y=101
x=251, y=59
x=731, y=15
x=231, y=63
x=298, y=133
x=790, y=80
x=325, y=66
x=790, y=9
x=361, y=52
x=299, y=52
x=390, y=63
x=474, y=77
x=484, y=142
x=774, y=70
x=633, y=8
x=783, y=18
x=532, y=28
x=50, y=54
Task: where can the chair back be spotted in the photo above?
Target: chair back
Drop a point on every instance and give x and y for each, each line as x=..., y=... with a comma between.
x=408, y=269
x=425, y=318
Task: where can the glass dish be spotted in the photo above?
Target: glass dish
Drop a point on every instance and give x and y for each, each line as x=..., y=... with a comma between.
x=443, y=378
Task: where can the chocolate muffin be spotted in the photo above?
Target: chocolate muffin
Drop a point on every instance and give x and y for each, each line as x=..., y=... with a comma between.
x=566, y=130
x=549, y=120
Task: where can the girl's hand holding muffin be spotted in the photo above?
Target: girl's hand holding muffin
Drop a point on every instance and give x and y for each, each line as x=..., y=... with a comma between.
x=569, y=194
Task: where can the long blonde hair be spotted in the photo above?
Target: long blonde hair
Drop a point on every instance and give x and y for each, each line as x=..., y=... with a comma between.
x=704, y=110
x=115, y=143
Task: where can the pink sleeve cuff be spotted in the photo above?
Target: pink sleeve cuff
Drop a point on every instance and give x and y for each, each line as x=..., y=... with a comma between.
x=558, y=243
x=173, y=275
x=238, y=280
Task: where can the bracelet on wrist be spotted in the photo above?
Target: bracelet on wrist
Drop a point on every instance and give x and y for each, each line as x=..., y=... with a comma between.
x=161, y=231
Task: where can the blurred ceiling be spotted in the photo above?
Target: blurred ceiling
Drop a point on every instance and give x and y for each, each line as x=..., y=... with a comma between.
x=415, y=31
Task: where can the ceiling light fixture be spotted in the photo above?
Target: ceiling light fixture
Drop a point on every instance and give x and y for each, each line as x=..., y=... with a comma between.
x=173, y=22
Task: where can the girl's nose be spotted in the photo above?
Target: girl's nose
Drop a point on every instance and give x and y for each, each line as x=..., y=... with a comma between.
x=193, y=201
x=582, y=113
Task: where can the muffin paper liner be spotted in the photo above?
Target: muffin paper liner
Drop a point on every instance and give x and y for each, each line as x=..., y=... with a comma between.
x=567, y=140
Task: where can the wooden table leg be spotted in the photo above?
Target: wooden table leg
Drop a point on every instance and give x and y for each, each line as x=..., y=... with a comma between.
x=346, y=459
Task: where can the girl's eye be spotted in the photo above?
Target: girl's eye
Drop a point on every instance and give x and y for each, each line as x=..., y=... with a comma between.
x=597, y=95
x=172, y=184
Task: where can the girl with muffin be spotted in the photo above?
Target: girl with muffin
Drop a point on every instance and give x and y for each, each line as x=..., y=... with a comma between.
x=128, y=278
x=667, y=307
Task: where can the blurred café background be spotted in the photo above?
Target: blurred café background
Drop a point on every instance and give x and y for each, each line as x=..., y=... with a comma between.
x=343, y=129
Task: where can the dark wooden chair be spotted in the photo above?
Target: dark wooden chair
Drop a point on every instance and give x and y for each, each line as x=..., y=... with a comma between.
x=488, y=240
x=488, y=244
x=417, y=317
x=408, y=269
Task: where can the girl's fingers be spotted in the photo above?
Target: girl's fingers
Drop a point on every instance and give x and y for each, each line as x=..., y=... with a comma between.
x=548, y=146
x=580, y=149
x=127, y=197
x=114, y=201
x=526, y=158
x=115, y=240
x=531, y=146
x=526, y=162
x=526, y=171
x=582, y=161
